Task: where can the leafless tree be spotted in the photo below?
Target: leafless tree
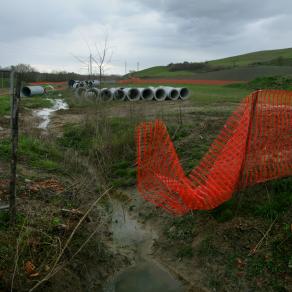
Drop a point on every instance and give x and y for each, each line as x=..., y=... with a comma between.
x=103, y=58
x=23, y=68
x=99, y=58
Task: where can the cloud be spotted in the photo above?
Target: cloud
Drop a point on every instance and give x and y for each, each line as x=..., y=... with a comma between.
x=47, y=33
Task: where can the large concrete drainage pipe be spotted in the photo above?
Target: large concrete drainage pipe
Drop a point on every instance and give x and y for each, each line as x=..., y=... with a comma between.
x=147, y=93
x=49, y=89
x=172, y=93
x=183, y=93
x=106, y=94
x=75, y=85
x=119, y=94
x=92, y=94
x=133, y=94
x=80, y=92
x=29, y=91
x=160, y=94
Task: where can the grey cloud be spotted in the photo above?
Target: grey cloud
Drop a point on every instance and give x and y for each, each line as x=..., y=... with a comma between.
x=153, y=32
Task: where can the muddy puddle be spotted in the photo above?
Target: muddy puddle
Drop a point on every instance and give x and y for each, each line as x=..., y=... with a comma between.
x=145, y=275
x=44, y=114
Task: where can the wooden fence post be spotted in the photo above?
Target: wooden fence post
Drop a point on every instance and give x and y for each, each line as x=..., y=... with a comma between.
x=15, y=98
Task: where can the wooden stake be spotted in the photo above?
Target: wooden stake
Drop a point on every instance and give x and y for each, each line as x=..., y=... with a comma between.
x=15, y=93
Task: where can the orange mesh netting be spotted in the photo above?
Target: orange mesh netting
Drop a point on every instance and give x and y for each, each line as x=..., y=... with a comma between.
x=255, y=145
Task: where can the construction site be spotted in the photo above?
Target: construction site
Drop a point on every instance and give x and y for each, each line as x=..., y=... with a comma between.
x=174, y=178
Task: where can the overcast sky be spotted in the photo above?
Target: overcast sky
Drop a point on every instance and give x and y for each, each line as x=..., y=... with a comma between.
x=48, y=33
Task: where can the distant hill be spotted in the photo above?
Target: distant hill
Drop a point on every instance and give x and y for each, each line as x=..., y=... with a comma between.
x=241, y=67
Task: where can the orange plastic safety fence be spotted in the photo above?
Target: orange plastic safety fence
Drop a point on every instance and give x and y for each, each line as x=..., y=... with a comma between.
x=255, y=145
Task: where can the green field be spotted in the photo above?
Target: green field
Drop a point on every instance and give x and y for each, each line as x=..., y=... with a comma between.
x=242, y=67
x=247, y=59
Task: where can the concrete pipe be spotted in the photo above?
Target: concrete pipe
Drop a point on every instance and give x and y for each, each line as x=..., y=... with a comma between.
x=29, y=91
x=119, y=94
x=49, y=89
x=183, y=93
x=92, y=93
x=133, y=94
x=106, y=94
x=147, y=93
x=160, y=94
x=95, y=83
x=72, y=82
x=82, y=84
x=80, y=92
x=172, y=93
x=75, y=85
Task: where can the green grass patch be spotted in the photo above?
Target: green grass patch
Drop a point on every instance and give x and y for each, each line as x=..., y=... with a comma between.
x=78, y=137
x=4, y=105
x=36, y=102
x=241, y=67
x=34, y=152
x=110, y=144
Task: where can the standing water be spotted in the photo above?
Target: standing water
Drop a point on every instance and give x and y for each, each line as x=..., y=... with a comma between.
x=145, y=275
x=45, y=113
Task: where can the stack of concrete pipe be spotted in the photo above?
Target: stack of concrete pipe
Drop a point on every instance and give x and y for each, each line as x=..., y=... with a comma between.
x=84, y=83
x=161, y=93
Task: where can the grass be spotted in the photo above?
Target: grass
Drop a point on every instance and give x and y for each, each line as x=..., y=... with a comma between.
x=4, y=82
x=160, y=71
x=34, y=152
x=27, y=102
x=4, y=105
x=36, y=102
x=109, y=142
x=246, y=59
x=242, y=67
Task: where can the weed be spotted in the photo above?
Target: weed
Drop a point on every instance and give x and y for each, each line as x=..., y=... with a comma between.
x=185, y=251
x=35, y=152
x=183, y=228
x=224, y=212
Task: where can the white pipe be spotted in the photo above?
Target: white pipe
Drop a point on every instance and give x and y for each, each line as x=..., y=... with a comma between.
x=95, y=83
x=80, y=92
x=147, y=93
x=172, y=93
x=28, y=91
x=106, y=94
x=119, y=94
x=159, y=94
x=92, y=93
x=133, y=94
x=183, y=93
x=76, y=85
x=49, y=89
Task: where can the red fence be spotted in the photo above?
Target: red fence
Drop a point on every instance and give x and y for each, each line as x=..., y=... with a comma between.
x=254, y=146
x=59, y=85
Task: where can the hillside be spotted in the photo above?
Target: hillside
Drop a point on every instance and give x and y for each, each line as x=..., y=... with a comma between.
x=255, y=57
x=241, y=67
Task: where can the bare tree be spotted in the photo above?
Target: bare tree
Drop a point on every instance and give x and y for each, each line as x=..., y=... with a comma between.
x=103, y=58
x=23, y=68
x=100, y=58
